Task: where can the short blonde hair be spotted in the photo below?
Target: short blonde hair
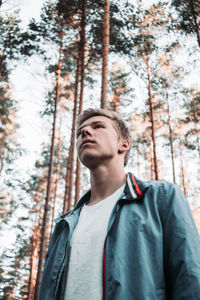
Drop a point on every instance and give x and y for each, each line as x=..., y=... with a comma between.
x=121, y=127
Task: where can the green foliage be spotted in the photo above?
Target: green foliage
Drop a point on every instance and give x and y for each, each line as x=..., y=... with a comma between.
x=121, y=22
x=15, y=270
x=135, y=32
x=186, y=11
x=9, y=34
x=9, y=148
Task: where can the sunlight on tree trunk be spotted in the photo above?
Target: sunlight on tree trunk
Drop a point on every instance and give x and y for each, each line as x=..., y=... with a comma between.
x=150, y=100
x=105, y=52
x=171, y=139
x=182, y=169
x=67, y=203
x=82, y=54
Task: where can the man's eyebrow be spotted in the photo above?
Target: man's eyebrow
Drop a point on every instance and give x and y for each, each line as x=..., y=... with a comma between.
x=90, y=124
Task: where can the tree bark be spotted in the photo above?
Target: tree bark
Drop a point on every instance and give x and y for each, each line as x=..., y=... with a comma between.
x=35, y=244
x=152, y=161
x=105, y=52
x=115, y=101
x=34, y=258
x=150, y=101
x=182, y=169
x=2, y=159
x=2, y=62
x=82, y=52
x=57, y=171
x=44, y=231
x=67, y=203
x=198, y=143
x=171, y=139
x=138, y=162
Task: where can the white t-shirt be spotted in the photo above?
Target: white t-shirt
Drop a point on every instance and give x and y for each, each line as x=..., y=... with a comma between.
x=84, y=278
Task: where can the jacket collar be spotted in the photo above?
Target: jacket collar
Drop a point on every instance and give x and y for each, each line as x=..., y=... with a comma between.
x=134, y=189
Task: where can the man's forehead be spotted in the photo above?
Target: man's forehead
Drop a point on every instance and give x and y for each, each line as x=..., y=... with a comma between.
x=95, y=119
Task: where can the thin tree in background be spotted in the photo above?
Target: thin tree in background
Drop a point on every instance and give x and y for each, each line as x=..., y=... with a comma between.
x=35, y=239
x=142, y=143
x=168, y=77
x=192, y=119
x=150, y=101
x=33, y=263
x=119, y=87
x=145, y=47
x=82, y=79
x=105, y=52
x=44, y=229
x=182, y=168
x=171, y=139
x=57, y=170
x=67, y=202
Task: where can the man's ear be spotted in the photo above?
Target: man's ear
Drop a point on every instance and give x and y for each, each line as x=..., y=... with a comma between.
x=124, y=145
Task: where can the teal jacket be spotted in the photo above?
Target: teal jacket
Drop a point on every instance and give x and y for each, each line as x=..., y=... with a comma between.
x=151, y=251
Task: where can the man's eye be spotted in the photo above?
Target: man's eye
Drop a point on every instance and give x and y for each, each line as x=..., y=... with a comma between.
x=98, y=126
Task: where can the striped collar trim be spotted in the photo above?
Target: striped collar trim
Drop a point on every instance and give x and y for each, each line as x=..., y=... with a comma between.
x=134, y=188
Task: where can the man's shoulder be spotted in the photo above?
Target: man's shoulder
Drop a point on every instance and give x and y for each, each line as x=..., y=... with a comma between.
x=158, y=185
x=164, y=193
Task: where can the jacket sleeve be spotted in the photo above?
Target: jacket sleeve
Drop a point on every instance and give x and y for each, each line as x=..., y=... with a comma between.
x=181, y=244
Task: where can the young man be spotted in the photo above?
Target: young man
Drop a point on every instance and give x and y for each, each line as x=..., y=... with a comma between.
x=125, y=239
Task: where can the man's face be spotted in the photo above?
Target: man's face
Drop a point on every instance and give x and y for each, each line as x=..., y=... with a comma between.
x=97, y=141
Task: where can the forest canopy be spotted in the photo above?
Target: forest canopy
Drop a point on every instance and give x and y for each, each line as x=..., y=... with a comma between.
x=138, y=58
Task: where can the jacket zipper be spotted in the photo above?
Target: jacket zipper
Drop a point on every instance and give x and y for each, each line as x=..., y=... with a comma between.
x=60, y=270
x=104, y=258
x=104, y=270
x=105, y=244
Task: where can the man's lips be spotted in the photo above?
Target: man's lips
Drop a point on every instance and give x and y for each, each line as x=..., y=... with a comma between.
x=87, y=141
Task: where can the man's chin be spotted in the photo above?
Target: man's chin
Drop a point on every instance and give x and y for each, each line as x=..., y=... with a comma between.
x=90, y=161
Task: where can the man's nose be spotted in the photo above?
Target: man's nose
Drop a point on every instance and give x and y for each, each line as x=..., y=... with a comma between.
x=86, y=131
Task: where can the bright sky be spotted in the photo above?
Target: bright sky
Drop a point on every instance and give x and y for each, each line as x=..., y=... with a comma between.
x=30, y=9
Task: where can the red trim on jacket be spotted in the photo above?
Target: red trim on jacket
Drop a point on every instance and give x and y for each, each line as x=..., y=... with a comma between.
x=104, y=270
x=136, y=185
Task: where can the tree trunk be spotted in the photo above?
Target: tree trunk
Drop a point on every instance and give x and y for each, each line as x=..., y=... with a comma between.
x=82, y=52
x=2, y=62
x=152, y=161
x=182, y=169
x=115, y=101
x=2, y=158
x=138, y=162
x=105, y=52
x=171, y=139
x=198, y=143
x=194, y=15
x=197, y=131
x=34, y=259
x=67, y=203
x=35, y=243
x=44, y=231
x=150, y=100
x=57, y=171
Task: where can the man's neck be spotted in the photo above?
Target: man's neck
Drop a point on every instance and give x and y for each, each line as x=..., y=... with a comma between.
x=105, y=181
